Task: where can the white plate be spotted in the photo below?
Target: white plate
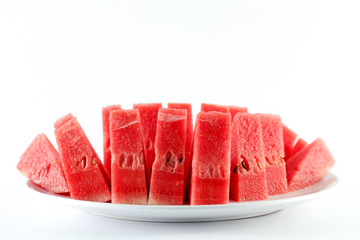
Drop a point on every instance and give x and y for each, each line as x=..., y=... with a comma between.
x=188, y=213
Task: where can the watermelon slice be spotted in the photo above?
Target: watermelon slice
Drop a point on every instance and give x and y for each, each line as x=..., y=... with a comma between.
x=106, y=135
x=41, y=164
x=128, y=175
x=207, y=107
x=300, y=144
x=148, y=116
x=211, y=159
x=289, y=140
x=274, y=153
x=167, y=179
x=292, y=143
x=309, y=165
x=248, y=175
x=63, y=120
x=188, y=148
x=235, y=109
x=86, y=176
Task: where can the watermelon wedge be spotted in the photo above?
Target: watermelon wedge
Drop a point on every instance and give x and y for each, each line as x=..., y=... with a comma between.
x=41, y=164
x=290, y=138
x=300, y=144
x=167, y=179
x=63, y=120
x=211, y=159
x=148, y=116
x=292, y=143
x=106, y=135
x=188, y=148
x=128, y=175
x=207, y=107
x=235, y=109
x=274, y=153
x=309, y=165
x=248, y=173
x=81, y=163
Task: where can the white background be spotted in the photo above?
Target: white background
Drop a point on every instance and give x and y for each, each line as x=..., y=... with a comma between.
x=299, y=59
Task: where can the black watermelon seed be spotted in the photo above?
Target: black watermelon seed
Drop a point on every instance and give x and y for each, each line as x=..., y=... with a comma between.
x=235, y=169
x=243, y=165
x=180, y=160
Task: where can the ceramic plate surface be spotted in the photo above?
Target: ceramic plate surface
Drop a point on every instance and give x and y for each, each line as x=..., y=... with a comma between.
x=187, y=213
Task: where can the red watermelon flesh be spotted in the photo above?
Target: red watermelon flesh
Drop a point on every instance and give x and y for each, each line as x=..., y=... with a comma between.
x=83, y=169
x=148, y=116
x=309, y=165
x=211, y=159
x=106, y=135
x=300, y=144
x=63, y=120
x=274, y=153
x=188, y=148
x=41, y=164
x=235, y=109
x=207, y=107
x=248, y=173
x=167, y=179
x=128, y=175
x=292, y=143
x=289, y=140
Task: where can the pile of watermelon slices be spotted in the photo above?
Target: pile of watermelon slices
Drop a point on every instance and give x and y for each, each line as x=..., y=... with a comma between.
x=153, y=155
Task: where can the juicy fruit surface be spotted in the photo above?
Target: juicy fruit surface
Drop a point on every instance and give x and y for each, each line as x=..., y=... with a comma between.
x=106, y=135
x=128, y=175
x=292, y=143
x=63, y=120
x=209, y=191
x=148, y=116
x=211, y=157
x=167, y=181
x=81, y=163
x=167, y=188
x=290, y=138
x=300, y=144
x=207, y=107
x=232, y=109
x=309, y=165
x=188, y=148
x=235, y=109
x=41, y=163
x=248, y=174
x=274, y=153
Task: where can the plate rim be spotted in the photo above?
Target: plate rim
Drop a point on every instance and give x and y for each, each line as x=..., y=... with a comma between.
x=272, y=199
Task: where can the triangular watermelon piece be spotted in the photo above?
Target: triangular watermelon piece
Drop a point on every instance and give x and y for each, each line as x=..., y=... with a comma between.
x=292, y=143
x=106, y=135
x=248, y=173
x=309, y=165
x=188, y=149
x=235, y=109
x=167, y=178
x=63, y=120
x=274, y=153
x=290, y=138
x=208, y=107
x=300, y=144
x=81, y=163
x=128, y=175
x=41, y=164
x=211, y=159
x=148, y=116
